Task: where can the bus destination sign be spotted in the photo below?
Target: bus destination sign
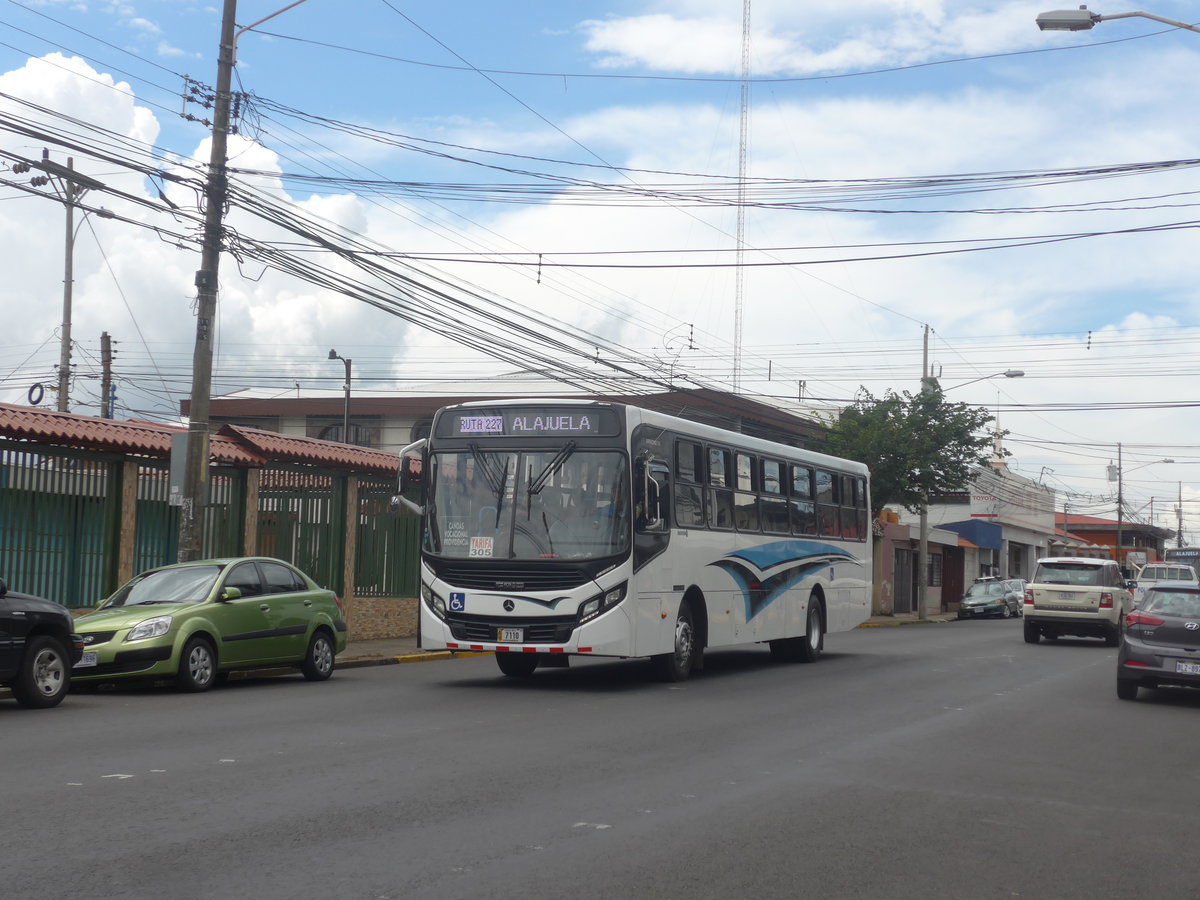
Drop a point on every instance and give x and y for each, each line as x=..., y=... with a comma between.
x=529, y=423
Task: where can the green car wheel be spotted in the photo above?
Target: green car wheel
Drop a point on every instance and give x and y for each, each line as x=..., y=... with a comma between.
x=197, y=666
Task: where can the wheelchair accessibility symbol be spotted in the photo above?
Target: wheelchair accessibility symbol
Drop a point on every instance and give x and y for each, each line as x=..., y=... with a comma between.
x=458, y=602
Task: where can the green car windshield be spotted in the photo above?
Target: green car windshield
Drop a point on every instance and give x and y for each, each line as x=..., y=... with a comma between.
x=991, y=589
x=564, y=504
x=190, y=584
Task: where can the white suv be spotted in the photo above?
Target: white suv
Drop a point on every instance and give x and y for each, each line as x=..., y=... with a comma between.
x=1078, y=596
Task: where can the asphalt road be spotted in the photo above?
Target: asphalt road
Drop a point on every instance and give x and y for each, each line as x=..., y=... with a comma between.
x=948, y=760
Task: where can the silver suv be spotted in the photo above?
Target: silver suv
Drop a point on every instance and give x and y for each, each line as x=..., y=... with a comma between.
x=1077, y=596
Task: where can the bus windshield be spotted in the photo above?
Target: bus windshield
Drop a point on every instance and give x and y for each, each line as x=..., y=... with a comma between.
x=502, y=504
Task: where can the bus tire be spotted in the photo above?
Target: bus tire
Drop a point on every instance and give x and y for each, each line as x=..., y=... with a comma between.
x=677, y=665
x=517, y=665
x=808, y=650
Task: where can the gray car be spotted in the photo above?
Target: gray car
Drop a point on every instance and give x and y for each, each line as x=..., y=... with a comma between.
x=1162, y=640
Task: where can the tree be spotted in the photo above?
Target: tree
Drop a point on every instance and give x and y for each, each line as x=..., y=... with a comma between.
x=917, y=446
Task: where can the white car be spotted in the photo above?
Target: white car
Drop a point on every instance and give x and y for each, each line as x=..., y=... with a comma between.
x=1152, y=573
x=1077, y=596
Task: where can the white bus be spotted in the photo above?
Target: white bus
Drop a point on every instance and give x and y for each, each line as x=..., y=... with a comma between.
x=555, y=528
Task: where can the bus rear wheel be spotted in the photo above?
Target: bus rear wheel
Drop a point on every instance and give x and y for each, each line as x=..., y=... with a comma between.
x=517, y=665
x=677, y=665
x=813, y=642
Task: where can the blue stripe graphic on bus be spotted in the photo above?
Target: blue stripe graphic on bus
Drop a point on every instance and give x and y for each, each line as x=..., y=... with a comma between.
x=764, y=573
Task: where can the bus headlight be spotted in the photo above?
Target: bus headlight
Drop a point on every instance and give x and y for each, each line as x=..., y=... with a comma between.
x=601, y=602
x=436, y=604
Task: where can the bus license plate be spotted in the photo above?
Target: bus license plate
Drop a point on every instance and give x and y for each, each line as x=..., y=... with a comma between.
x=510, y=635
x=1187, y=668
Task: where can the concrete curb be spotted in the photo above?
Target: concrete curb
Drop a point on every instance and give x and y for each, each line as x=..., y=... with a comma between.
x=361, y=662
x=896, y=624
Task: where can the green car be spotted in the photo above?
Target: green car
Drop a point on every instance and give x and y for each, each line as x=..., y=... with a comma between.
x=195, y=622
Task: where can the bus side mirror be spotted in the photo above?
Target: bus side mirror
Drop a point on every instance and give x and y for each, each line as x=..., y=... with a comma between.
x=652, y=513
x=411, y=487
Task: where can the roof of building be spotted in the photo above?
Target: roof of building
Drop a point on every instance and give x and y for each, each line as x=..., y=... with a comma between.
x=762, y=417
x=232, y=445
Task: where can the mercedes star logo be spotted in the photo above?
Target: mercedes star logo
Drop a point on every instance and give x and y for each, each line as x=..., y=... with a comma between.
x=509, y=606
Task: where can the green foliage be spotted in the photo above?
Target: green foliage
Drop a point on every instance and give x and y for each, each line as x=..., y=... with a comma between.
x=916, y=446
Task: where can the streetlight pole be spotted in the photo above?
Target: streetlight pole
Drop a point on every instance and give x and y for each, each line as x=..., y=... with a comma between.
x=333, y=354
x=929, y=383
x=1119, y=469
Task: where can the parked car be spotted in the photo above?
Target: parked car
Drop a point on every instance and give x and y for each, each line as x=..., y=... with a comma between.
x=197, y=621
x=1076, y=595
x=38, y=646
x=999, y=597
x=1152, y=573
x=1162, y=640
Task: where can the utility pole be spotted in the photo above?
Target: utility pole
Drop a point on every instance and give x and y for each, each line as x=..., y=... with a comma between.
x=1179, y=518
x=1120, y=507
x=195, y=483
x=106, y=411
x=923, y=521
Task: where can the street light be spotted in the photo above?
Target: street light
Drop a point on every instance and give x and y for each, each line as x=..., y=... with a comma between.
x=929, y=383
x=333, y=354
x=1083, y=19
x=1007, y=373
x=1117, y=473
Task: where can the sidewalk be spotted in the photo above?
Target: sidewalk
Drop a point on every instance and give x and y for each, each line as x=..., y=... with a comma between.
x=389, y=651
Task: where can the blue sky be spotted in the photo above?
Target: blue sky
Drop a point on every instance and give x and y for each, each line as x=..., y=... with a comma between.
x=845, y=94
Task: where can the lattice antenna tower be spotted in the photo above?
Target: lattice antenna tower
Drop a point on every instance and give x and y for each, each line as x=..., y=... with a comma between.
x=743, y=139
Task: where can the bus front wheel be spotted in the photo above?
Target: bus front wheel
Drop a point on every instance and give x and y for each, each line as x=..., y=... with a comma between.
x=517, y=665
x=677, y=665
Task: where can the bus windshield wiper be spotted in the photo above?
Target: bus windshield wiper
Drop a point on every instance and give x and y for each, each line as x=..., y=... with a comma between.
x=487, y=465
x=536, y=484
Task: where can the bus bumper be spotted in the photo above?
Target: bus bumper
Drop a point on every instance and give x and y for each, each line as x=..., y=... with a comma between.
x=610, y=634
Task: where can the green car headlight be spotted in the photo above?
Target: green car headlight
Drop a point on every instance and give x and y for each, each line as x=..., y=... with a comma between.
x=151, y=628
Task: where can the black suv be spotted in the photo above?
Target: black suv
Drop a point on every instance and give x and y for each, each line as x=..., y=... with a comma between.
x=37, y=649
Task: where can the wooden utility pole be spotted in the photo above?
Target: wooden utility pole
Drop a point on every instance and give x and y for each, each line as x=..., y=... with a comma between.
x=195, y=483
x=106, y=410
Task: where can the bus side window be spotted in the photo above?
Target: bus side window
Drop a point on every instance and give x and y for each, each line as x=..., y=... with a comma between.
x=689, y=495
x=720, y=495
x=773, y=506
x=803, y=513
x=746, y=500
x=828, y=514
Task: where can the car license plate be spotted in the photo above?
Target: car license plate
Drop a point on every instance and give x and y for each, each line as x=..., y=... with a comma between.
x=1065, y=595
x=510, y=635
x=1187, y=668
x=87, y=660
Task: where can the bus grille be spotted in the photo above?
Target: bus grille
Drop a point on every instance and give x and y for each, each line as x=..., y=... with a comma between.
x=507, y=578
x=551, y=630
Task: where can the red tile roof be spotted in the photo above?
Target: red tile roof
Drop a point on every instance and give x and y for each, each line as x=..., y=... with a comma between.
x=292, y=448
x=248, y=447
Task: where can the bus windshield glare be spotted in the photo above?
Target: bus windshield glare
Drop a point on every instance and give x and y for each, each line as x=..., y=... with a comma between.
x=503, y=504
